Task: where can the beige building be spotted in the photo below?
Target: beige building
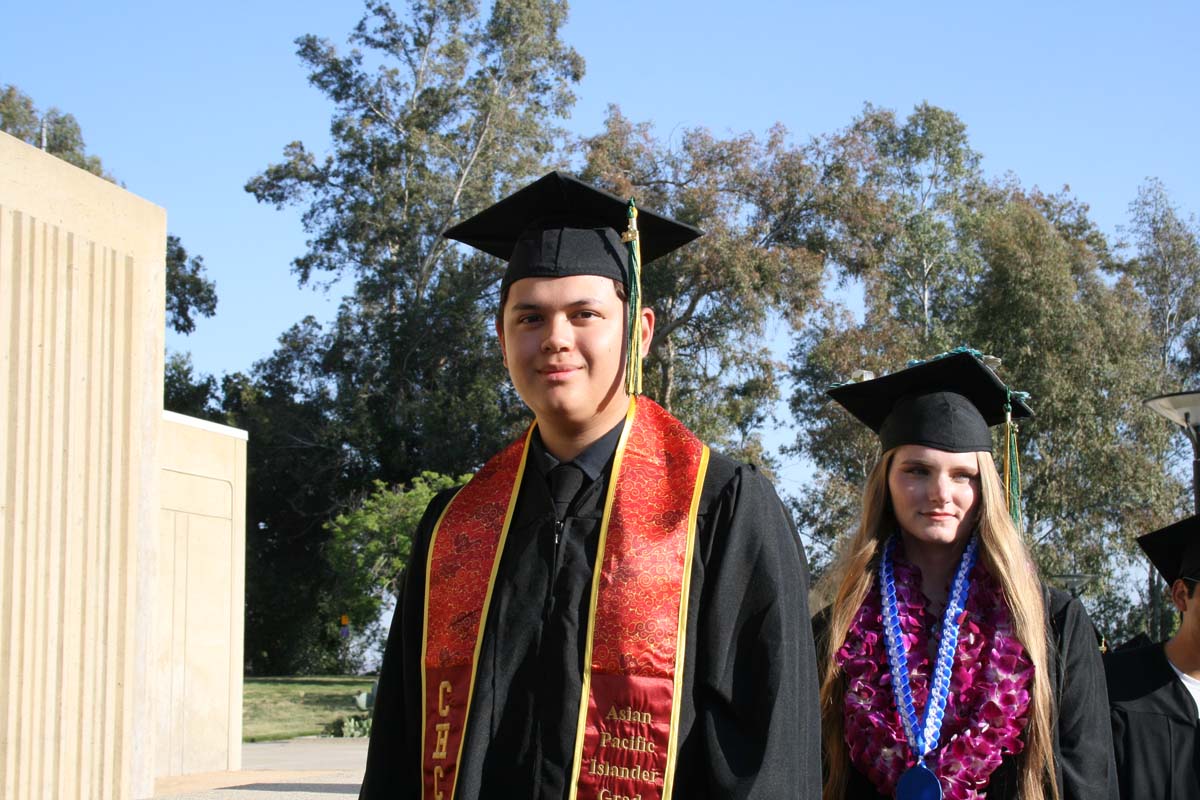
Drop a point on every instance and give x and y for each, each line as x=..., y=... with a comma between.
x=121, y=532
x=199, y=612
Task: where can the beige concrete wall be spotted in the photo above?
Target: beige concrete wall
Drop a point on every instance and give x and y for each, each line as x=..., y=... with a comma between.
x=198, y=640
x=81, y=346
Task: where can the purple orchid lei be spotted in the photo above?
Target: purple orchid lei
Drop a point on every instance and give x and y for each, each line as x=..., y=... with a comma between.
x=989, y=689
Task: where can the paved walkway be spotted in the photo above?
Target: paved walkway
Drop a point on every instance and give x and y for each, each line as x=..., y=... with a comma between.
x=297, y=769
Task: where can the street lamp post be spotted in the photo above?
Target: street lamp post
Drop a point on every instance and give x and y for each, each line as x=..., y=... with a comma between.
x=1183, y=408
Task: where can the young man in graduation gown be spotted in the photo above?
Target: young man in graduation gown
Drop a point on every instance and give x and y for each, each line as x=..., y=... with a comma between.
x=607, y=609
x=1154, y=691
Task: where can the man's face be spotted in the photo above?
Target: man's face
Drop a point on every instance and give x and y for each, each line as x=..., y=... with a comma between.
x=563, y=343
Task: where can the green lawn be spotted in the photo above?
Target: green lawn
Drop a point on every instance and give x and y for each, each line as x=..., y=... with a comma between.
x=282, y=708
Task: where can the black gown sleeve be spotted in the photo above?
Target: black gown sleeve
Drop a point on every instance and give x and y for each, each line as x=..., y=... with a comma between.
x=1084, y=734
x=393, y=770
x=757, y=727
x=1119, y=725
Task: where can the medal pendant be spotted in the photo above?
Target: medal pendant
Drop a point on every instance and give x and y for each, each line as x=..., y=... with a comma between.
x=918, y=783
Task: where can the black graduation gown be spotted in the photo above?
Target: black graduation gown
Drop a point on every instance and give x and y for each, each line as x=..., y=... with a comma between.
x=1153, y=725
x=1083, y=753
x=749, y=724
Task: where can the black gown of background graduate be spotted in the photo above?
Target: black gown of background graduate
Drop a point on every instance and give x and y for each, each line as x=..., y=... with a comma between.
x=1153, y=726
x=1083, y=753
x=749, y=723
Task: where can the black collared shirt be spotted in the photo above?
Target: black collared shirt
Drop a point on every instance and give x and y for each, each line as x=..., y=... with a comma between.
x=593, y=461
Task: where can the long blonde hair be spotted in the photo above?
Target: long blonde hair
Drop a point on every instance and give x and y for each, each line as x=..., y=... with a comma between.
x=1005, y=557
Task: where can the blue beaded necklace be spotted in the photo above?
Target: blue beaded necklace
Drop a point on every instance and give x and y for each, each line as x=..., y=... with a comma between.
x=919, y=782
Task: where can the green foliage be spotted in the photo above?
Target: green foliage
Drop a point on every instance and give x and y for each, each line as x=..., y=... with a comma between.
x=896, y=203
x=827, y=349
x=1164, y=272
x=57, y=133
x=1165, y=268
x=355, y=726
x=189, y=292
x=436, y=111
x=894, y=209
x=18, y=116
x=369, y=544
x=713, y=300
x=458, y=107
x=1080, y=347
x=187, y=393
x=299, y=468
x=945, y=260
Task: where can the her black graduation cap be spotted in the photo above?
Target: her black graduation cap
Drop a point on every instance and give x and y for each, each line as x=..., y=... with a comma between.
x=1174, y=550
x=948, y=403
x=559, y=226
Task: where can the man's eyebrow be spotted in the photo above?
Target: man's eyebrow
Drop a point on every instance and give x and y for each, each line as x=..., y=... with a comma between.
x=583, y=301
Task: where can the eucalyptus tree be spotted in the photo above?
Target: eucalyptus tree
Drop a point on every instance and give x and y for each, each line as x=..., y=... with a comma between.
x=710, y=361
x=436, y=110
x=1165, y=268
x=1017, y=274
x=893, y=215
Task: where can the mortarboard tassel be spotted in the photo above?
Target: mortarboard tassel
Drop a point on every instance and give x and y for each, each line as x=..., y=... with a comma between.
x=1012, y=464
x=633, y=356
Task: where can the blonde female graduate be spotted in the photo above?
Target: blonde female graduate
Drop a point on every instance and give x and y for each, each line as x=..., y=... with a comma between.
x=949, y=670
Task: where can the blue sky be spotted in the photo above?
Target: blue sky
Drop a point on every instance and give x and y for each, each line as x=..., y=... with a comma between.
x=185, y=101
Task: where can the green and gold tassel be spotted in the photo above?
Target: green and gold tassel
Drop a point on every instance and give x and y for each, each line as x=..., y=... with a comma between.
x=1012, y=465
x=633, y=356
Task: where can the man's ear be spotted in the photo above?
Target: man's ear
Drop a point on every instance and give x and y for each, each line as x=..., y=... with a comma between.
x=647, y=322
x=500, y=337
x=1179, y=595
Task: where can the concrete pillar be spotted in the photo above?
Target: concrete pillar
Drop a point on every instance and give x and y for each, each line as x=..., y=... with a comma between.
x=82, y=288
x=201, y=597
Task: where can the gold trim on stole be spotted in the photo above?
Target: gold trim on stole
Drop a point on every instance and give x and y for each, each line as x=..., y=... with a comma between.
x=681, y=644
x=577, y=760
x=425, y=640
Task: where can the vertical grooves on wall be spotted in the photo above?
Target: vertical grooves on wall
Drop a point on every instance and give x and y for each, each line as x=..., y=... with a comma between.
x=70, y=475
x=87, y=628
x=41, y=472
x=9, y=544
x=80, y=314
x=128, y=496
x=186, y=542
x=25, y=518
x=74, y=533
x=9, y=295
x=105, y=654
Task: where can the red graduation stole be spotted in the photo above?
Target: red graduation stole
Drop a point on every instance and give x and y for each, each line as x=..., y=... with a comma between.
x=633, y=658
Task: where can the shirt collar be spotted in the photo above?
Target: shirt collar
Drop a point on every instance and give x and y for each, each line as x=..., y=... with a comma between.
x=591, y=461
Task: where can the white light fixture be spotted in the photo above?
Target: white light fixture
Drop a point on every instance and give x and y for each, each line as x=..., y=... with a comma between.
x=1183, y=408
x=1074, y=582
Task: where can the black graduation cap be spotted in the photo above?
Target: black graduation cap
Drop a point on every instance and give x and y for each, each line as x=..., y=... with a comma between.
x=947, y=403
x=1174, y=550
x=559, y=226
